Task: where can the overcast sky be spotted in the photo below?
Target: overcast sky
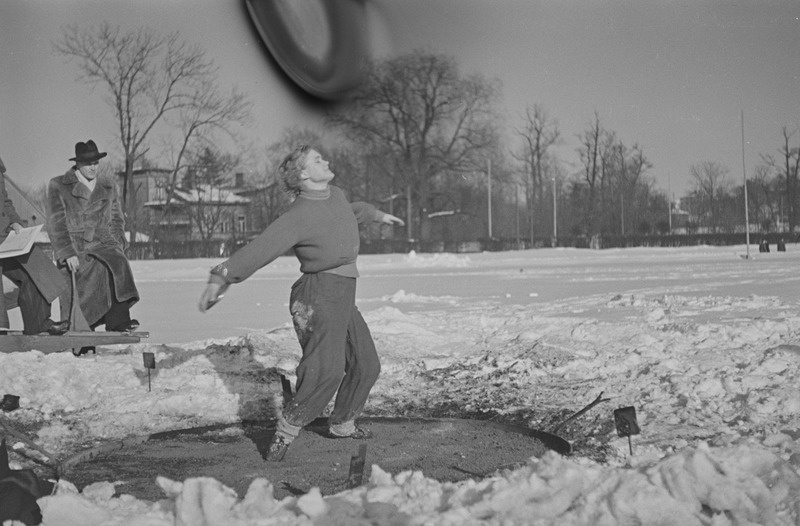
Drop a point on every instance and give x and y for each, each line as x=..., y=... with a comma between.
x=672, y=75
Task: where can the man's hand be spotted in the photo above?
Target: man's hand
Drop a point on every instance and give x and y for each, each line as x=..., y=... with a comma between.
x=211, y=295
x=16, y=227
x=389, y=219
x=73, y=263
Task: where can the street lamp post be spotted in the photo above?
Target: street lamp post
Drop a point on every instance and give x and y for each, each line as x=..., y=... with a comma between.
x=669, y=204
x=516, y=209
x=555, y=213
x=489, y=193
x=746, y=211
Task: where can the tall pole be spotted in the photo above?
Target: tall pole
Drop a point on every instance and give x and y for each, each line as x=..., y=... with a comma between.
x=516, y=207
x=555, y=214
x=409, y=231
x=746, y=213
x=489, y=193
x=669, y=204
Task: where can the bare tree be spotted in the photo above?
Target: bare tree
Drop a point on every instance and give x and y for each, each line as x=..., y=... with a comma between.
x=206, y=113
x=591, y=155
x=629, y=165
x=204, y=199
x=788, y=166
x=538, y=134
x=146, y=76
x=208, y=185
x=710, y=186
x=424, y=118
x=763, y=199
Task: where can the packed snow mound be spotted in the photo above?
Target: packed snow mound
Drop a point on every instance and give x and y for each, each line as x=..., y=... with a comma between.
x=401, y=296
x=697, y=486
x=437, y=260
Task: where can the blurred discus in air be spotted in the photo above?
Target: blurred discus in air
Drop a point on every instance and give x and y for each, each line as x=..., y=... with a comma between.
x=319, y=44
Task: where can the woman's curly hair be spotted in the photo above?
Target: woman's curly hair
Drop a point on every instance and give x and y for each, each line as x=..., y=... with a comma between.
x=291, y=168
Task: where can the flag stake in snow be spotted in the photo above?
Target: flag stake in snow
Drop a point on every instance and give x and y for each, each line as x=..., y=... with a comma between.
x=357, y=462
x=625, y=420
x=149, y=363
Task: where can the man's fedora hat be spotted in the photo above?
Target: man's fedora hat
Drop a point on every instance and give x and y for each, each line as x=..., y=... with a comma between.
x=86, y=152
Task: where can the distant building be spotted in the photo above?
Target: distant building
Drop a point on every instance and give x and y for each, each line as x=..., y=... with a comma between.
x=266, y=204
x=147, y=184
x=679, y=218
x=193, y=211
x=451, y=226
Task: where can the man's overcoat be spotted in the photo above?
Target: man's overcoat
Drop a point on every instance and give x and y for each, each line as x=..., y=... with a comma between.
x=91, y=225
x=35, y=264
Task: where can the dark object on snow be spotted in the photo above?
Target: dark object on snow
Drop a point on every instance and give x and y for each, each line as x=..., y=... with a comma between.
x=149, y=360
x=19, y=489
x=781, y=245
x=763, y=246
x=555, y=442
x=9, y=403
x=149, y=363
x=356, y=475
x=594, y=402
x=625, y=420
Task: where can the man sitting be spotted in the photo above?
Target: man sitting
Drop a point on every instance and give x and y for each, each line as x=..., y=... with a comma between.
x=86, y=227
x=35, y=275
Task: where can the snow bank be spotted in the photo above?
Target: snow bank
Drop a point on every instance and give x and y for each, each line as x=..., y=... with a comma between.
x=437, y=260
x=694, y=487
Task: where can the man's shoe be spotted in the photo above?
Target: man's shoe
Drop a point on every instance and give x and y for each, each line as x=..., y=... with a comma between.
x=128, y=326
x=359, y=434
x=84, y=350
x=278, y=448
x=55, y=328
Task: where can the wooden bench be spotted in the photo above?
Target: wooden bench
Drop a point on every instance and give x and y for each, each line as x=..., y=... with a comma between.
x=16, y=341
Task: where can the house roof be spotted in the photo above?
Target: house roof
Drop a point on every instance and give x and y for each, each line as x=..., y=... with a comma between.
x=147, y=171
x=206, y=194
x=42, y=237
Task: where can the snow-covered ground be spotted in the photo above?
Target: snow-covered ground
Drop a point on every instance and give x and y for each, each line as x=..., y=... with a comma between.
x=704, y=343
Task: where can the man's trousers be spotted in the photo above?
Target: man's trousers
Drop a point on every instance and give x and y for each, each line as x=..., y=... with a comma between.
x=338, y=351
x=39, y=284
